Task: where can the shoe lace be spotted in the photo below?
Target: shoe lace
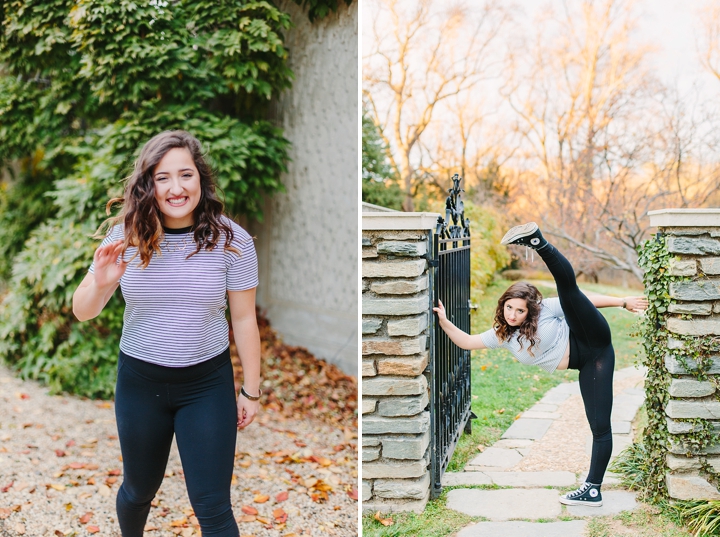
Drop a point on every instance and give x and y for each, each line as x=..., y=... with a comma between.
x=579, y=492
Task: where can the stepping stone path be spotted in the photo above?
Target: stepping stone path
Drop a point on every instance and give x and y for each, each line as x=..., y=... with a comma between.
x=547, y=446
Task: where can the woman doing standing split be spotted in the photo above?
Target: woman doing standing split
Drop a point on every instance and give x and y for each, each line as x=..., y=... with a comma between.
x=567, y=332
x=179, y=262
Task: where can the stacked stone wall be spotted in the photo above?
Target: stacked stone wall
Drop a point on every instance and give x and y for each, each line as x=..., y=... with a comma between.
x=395, y=326
x=694, y=311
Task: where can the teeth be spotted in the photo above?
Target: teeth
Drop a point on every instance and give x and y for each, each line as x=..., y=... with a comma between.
x=177, y=201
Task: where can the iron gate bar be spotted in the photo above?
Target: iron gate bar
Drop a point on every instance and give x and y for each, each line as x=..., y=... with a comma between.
x=449, y=366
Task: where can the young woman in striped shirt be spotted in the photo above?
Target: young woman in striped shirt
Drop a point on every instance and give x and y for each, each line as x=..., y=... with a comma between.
x=567, y=332
x=179, y=262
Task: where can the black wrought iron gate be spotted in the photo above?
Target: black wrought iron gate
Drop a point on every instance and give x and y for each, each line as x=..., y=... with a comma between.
x=449, y=365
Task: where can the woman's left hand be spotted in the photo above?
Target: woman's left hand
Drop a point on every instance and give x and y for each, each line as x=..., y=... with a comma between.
x=247, y=410
x=636, y=303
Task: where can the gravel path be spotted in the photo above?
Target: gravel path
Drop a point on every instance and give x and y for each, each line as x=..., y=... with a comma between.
x=60, y=469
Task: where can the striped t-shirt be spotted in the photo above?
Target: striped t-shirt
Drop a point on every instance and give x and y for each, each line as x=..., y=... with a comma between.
x=175, y=307
x=552, y=337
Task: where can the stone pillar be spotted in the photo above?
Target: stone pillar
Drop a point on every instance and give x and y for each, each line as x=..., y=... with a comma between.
x=693, y=237
x=396, y=309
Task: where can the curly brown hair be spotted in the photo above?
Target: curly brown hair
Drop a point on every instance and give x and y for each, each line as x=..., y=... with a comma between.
x=528, y=329
x=140, y=212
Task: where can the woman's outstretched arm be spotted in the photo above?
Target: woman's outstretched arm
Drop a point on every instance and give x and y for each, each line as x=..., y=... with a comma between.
x=460, y=338
x=630, y=303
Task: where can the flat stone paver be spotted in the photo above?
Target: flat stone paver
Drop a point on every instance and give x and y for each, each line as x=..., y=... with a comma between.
x=614, y=502
x=553, y=398
x=506, y=504
x=513, y=443
x=542, y=407
x=528, y=428
x=497, y=457
x=621, y=427
x=573, y=528
x=453, y=479
x=541, y=415
x=533, y=479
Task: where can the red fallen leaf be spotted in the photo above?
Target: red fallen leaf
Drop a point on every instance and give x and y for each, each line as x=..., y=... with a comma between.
x=280, y=516
x=92, y=529
x=24, y=396
x=76, y=465
x=7, y=487
x=353, y=493
x=70, y=443
x=114, y=471
x=249, y=510
x=281, y=496
x=60, y=453
x=86, y=517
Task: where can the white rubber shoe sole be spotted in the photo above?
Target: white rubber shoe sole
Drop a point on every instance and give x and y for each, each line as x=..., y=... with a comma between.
x=518, y=232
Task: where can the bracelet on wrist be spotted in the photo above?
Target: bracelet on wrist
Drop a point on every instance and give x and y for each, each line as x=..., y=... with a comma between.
x=624, y=304
x=248, y=396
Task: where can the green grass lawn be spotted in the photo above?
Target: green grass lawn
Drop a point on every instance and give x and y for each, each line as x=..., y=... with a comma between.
x=502, y=388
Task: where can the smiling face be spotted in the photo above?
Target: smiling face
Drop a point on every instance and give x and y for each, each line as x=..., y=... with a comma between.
x=177, y=188
x=515, y=311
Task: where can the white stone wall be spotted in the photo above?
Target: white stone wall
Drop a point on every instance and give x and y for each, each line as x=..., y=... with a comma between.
x=308, y=241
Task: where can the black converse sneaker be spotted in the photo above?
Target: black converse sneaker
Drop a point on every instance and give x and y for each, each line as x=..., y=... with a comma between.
x=527, y=235
x=588, y=494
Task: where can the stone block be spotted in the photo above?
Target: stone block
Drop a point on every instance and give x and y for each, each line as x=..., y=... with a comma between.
x=401, y=235
x=395, y=506
x=403, y=406
x=714, y=463
x=370, y=326
x=683, y=267
x=411, y=326
x=410, y=366
x=693, y=409
x=379, y=425
x=366, y=490
x=716, y=307
x=690, y=246
x=368, y=440
x=695, y=327
x=405, y=249
x=369, y=369
x=395, y=306
x=695, y=290
x=368, y=405
x=369, y=253
x=690, y=388
x=675, y=367
x=402, y=488
x=680, y=427
x=394, y=385
x=710, y=265
x=366, y=241
x=675, y=462
x=691, y=308
x=365, y=285
x=370, y=454
x=400, y=287
x=406, y=447
x=394, y=347
x=674, y=343
x=394, y=470
x=393, y=269
x=689, y=487
x=678, y=447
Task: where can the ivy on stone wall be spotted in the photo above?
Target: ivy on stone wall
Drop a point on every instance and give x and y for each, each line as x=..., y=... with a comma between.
x=318, y=9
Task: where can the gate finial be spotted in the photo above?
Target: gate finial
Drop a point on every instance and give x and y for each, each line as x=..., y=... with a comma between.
x=455, y=211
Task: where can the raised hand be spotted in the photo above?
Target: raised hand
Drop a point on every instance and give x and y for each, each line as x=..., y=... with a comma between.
x=107, y=270
x=636, y=303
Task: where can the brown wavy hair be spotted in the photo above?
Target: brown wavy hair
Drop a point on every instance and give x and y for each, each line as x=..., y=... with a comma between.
x=140, y=212
x=528, y=329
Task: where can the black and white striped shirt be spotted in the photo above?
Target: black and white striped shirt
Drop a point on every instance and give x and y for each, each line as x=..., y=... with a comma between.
x=553, y=336
x=175, y=307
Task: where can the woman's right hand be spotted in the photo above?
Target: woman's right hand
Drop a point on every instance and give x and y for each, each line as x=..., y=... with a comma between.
x=107, y=271
x=440, y=310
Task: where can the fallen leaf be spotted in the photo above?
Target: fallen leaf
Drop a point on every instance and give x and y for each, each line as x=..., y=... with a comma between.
x=353, y=493
x=92, y=529
x=246, y=464
x=57, y=486
x=70, y=443
x=248, y=518
x=179, y=522
x=383, y=521
x=150, y=527
x=280, y=516
x=110, y=481
x=249, y=510
x=114, y=471
x=104, y=490
x=281, y=496
x=261, y=498
x=4, y=513
x=263, y=520
x=76, y=465
x=7, y=487
x=68, y=506
x=481, y=448
x=60, y=453
x=86, y=517
x=483, y=367
x=20, y=528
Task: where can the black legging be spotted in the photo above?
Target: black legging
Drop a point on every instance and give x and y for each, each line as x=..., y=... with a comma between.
x=591, y=352
x=197, y=404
